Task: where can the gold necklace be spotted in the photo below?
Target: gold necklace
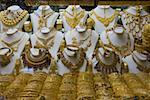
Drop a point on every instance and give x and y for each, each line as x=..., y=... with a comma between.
x=82, y=41
x=140, y=66
x=40, y=61
x=74, y=20
x=106, y=68
x=12, y=22
x=136, y=22
x=70, y=65
x=105, y=21
x=43, y=19
x=123, y=50
x=45, y=43
x=13, y=45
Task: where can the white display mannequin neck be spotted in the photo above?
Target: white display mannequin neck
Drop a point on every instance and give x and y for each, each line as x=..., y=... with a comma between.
x=133, y=10
x=14, y=8
x=76, y=8
x=104, y=11
x=44, y=8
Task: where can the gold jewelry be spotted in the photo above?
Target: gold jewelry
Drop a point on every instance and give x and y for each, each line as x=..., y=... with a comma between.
x=40, y=61
x=12, y=22
x=74, y=20
x=14, y=43
x=142, y=68
x=105, y=21
x=5, y=59
x=123, y=50
x=70, y=65
x=106, y=68
x=136, y=22
x=43, y=19
x=45, y=42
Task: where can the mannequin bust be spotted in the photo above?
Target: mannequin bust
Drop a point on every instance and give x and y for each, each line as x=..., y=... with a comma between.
x=72, y=16
x=86, y=38
x=44, y=16
x=48, y=38
x=118, y=39
x=103, y=17
x=16, y=41
x=15, y=15
x=134, y=18
x=72, y=59
x=139, y=61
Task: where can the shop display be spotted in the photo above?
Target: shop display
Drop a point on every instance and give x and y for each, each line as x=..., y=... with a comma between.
x=73, y=53
x=103, y=17
x=13, y=17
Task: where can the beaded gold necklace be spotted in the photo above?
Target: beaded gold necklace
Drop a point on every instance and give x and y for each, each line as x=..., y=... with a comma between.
x=12, y=22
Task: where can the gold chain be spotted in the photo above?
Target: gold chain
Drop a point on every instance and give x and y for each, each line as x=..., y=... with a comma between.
x=74, y=21
x=12, y=22
x=105, y=21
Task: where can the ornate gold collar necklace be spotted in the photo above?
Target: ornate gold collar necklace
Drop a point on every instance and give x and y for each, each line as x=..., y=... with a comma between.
x=70, y=65
x=74, y=20
x=105, y=21
x=12, y=22
x=106, y=68
x=40, y=61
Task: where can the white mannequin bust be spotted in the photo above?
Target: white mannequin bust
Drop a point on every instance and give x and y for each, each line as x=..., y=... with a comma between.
x=118, y=38
x=86, y=39
x=103, y=12
x=17, y=41
x=69, y=12
x=129, y=17
x=50, y=17
x=15, y=9
x=72, y=55
x=51, y=35
x=137, y=58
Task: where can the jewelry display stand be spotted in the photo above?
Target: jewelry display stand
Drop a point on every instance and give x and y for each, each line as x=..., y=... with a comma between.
x=15, y=15
x=85, y=38
x=104, y=17
x=72, y=16
x=15, y=40
x=44, y=16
